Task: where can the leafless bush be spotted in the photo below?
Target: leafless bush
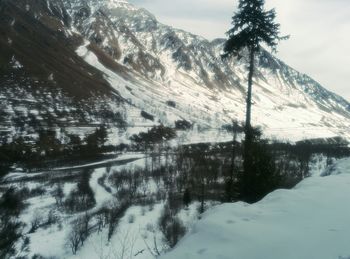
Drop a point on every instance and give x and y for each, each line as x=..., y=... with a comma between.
x=51, y=218
x=74, y=239
x=11, y=205
x=58, y=194
x=102, y=219
x=171, y=227
x=79, y=233
x=114, y=215
x=82, y=197
x=143, y=211
x=131, y=218
x=123, y=247
x=36, y=222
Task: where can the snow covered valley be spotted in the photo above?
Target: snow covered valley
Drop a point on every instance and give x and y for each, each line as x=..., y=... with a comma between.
x=117, y=141
x=121, y=208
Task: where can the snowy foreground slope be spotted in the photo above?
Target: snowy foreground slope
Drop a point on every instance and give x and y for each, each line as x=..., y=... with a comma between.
x=308, y=222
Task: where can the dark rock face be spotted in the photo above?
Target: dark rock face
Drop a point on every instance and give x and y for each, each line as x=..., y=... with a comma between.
x=43, y=82
x=40, y=43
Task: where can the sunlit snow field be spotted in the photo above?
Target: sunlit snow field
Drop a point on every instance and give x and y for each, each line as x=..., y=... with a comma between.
x=309, y=221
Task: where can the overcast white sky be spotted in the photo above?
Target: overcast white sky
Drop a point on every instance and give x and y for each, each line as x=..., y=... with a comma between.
x=320, y=32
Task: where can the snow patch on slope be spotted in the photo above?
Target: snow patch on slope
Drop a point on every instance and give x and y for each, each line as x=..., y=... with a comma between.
x=211, y=108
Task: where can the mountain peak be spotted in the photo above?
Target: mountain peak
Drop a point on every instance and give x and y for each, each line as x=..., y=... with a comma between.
x=120, y=3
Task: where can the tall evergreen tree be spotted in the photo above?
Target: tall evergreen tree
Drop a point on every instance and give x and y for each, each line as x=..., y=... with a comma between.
x=252, y=27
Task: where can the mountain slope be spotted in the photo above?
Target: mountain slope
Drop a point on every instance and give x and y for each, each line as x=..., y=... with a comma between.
x=42, y=80
x=41, y=45
x=175, y=75
x=179, y=64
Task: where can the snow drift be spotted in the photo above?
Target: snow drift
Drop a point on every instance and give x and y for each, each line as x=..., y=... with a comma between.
x=310, y=221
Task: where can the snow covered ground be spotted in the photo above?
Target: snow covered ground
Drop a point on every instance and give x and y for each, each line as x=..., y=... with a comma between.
x=309, y=222
x=137, y=234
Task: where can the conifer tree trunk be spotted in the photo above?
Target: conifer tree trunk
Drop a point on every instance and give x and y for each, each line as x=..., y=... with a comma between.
x=233, y=151
x=249, y=95
x=247, y=156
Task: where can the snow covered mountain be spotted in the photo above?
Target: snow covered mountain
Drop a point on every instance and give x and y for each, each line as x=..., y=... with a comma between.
x=110, y=55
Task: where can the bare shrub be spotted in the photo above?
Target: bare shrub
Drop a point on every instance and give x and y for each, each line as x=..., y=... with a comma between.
x=114, y=215
x=82, y=197
x=131, y=218
x=51, y=218
x=74, y=239
x=125, y=242
x=143, y=211
x=58, y=194
x=11, y=206
x=79, y=233
x=171, y=227
x=35, y=223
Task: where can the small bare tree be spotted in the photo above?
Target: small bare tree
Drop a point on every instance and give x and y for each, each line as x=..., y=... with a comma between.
x=59, y=195
x=36, y=222
x=79, y=233
x=74, y=239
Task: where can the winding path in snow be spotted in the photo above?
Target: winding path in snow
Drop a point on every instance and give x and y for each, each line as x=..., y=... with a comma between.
x=101, y=195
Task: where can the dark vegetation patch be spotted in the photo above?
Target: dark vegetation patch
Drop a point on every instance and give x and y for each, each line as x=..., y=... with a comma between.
x=276, y=165
x=234, y=127
x=49, y=151
x=155, y=135
x=11, y=205
x=171, y=227
x=183, y=125
x=82, y=197
x=144, y=63
x=171, y=104
x=147, y=116
x=44, y=49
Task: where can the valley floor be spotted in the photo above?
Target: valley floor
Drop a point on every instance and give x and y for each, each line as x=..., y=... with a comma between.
x=309, y=221
x=137, y=232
